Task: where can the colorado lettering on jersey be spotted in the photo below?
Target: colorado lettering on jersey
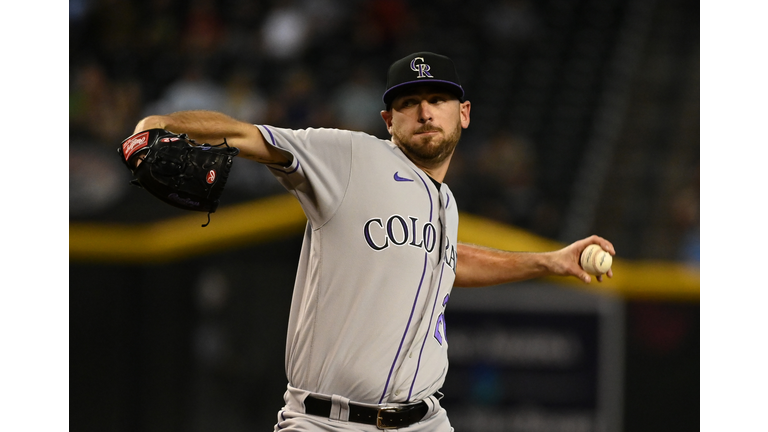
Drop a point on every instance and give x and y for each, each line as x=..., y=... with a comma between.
x=450, y=254
x=380, y=234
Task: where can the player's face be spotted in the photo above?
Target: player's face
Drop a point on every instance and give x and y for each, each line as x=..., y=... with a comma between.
x=426, y=124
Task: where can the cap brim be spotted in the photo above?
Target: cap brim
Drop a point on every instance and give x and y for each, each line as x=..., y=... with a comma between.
x=392, y=92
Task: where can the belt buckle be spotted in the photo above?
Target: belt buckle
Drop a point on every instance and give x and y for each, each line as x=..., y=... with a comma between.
x=379, y=423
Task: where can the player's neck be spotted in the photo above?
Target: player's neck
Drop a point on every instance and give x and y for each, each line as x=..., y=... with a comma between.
x=437, y=173
x=435, y=182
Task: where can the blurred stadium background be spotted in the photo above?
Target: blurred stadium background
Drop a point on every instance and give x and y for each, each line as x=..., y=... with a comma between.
x=585, y=120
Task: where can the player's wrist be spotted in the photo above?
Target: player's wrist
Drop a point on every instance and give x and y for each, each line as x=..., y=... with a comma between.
x=546, y=263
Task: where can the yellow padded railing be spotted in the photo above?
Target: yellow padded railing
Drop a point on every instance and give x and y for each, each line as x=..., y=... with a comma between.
x=279, y=216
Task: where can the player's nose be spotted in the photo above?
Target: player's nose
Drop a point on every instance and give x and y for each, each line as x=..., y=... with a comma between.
x=425, y=111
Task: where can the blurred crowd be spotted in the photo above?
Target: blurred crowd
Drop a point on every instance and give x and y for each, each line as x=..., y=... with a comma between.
x=287, y=63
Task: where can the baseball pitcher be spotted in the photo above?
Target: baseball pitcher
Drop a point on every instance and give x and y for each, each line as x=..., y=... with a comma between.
x=367, y=345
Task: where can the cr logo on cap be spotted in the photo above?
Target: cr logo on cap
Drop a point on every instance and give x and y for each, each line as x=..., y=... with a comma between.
x=422, y=68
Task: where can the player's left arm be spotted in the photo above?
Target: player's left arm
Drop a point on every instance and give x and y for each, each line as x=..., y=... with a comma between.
x=212, y=127
x=478, y=266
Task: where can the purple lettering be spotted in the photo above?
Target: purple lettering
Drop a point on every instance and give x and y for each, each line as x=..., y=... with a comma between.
x=397, y=231
x=367, y=233
x=430, y=235
x=180, y=200
x=391, y=232
x=440, y=323
x=415, y=232
x=440, y=335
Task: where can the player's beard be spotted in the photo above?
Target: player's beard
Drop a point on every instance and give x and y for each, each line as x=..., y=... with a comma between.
x=424, y=150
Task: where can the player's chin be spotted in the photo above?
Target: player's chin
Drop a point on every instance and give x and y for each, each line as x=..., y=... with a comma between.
x=429, y=150
x=428, y=140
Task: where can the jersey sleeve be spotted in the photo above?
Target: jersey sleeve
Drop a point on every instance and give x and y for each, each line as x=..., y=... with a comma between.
x=319, y=172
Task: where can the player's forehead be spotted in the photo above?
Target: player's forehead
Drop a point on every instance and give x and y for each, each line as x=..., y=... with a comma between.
x=424, y=91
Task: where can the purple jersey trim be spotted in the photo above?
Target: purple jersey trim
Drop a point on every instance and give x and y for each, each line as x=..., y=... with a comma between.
x=407, y=326
x=426, y=336
x=274, y=143
x=431, y=205
x=285, y=172
x=424, y=272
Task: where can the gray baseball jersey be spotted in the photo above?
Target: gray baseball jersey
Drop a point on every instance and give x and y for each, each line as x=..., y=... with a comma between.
x=376, y=268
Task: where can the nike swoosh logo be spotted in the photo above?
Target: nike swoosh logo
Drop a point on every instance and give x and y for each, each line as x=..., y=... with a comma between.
x=401, y=179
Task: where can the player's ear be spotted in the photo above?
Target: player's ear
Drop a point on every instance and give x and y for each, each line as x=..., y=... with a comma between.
x=387, y=116
x=464, y=113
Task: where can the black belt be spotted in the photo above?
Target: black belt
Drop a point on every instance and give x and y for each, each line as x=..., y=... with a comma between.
x=383, y=418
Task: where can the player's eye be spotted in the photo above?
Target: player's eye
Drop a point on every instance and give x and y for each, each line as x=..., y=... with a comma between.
x=437, y=99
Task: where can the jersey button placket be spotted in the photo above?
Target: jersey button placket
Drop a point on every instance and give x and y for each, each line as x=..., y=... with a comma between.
x=441, y=220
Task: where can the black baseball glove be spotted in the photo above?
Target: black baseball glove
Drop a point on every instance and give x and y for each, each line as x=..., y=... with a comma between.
x=177, y=170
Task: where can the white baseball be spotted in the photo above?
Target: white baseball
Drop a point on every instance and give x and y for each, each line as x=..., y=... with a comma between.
x=595, y=261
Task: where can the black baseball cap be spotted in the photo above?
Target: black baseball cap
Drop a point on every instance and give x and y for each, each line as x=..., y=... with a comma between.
x=422, y=68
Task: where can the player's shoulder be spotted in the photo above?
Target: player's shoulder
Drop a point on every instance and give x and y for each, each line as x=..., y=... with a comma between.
x=355, y=137
x=328, y=137
x=352, y=133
